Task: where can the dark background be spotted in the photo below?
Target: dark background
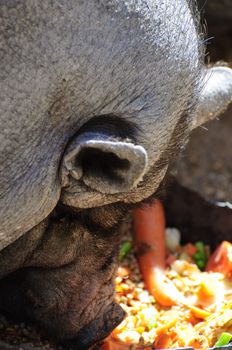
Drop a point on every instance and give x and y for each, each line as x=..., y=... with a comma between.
x=206, y=165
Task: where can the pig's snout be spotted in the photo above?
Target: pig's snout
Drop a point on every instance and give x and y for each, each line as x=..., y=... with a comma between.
x=67, y=285
x=98, y=329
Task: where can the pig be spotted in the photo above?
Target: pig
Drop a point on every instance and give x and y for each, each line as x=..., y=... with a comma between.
x=97, y=98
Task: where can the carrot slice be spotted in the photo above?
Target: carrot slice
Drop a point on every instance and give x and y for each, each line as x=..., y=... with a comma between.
x=199, y=313
x=221, y=259
x=149, y=225
x=163, y=341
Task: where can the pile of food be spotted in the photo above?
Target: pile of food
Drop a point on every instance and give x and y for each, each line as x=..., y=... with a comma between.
x=22, y=336
x=174, y=295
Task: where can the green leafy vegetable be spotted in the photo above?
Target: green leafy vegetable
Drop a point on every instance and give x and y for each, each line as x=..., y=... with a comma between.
x=125, y=248
x=224, y=339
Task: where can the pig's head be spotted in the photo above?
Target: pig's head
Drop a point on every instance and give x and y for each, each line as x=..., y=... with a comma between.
x=96, y=99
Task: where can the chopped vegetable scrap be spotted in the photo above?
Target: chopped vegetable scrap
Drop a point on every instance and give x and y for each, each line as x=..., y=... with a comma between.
x=200, y=256
x=224, y=339
x=174, y=295
x=221, y=259
x=124, y=250
x=151, y=250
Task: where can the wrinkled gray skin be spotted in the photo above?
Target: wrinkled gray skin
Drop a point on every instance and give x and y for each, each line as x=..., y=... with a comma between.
x=97, y=97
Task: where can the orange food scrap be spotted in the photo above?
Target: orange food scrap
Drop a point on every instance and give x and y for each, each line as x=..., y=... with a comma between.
x=207, y=288
x=149, y=224
x=221, y=259
x=163, y=341
x=199, y=313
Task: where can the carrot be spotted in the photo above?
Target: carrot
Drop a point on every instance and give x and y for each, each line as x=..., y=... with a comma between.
x=149, y=225
x=199, y=313
x=195, y=344
x=105, y=346
x=115, y=345
x=221, y=259
x=163, y=341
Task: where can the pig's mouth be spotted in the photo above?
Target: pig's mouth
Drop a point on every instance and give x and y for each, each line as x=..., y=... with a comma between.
x=99, y=326
x=98, y=329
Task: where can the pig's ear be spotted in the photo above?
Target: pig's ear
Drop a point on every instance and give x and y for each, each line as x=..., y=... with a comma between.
x=215, y=95
x=103, y=164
